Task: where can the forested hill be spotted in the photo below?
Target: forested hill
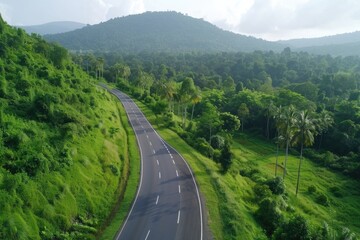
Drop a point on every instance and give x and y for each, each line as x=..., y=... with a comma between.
x=53, y=27
x=346, y=44
x=159, y=32
x=59, y=165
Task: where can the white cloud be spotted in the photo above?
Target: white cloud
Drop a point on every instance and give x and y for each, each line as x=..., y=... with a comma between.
x=269, y=19
x=5, y=12
x=124, y=7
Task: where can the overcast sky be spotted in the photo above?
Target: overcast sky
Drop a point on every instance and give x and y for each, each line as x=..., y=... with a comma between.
x=267, y=19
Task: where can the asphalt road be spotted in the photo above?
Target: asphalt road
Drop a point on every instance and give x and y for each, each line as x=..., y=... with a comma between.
x=167, y=205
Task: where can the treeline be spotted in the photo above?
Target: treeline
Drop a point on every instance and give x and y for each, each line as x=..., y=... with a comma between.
x=250, y=87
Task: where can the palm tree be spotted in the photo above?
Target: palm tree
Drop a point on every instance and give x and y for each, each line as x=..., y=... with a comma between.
x=305, y=130
x=195, y=99
x=276, y=113
x=271, y=108
x=285, y=126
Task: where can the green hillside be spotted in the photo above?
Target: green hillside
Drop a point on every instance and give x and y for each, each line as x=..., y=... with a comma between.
x=346, y=44
x=63, y=147
x=158, y=32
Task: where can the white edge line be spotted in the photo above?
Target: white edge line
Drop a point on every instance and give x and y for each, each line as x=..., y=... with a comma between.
x=147, y=235
x=178, y=220
x=192, y=175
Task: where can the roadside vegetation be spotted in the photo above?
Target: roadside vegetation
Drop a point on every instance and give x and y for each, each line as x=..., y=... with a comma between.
x=272, y=138
x=64, y=153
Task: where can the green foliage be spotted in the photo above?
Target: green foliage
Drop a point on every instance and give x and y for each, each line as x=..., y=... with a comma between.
x=322, y=199
x=276, y=185
x=225, y=157
x=50, y=146
x=268, y=215
x=312, y=189
x=296, y=229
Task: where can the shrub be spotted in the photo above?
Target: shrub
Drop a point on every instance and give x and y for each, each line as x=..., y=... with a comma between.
x=217, y=142
x=261, y=191
x=296, y=229
x=312, y=189
x=268, y=215
x=276, y=185
x=336, y=191
x=322, y=199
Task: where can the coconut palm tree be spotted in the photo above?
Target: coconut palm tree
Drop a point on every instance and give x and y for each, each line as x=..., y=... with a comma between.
x=276, y=114
x=285, y=125
x=304, y=132
x=195, y=99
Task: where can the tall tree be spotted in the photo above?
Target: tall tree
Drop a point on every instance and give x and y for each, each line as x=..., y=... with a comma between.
x=304, y=132
x=186, y=91
x=195, y=99
x=276, y=113
x=285, y=125
x=243, y=113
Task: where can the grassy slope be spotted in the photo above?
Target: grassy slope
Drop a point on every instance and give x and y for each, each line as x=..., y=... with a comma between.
x=89, y=188
x=343, y=210
x=230, y=198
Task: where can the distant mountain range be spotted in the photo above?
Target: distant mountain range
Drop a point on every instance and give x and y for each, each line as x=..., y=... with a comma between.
x=159, y=32
x=175, y=32
x=346, y=44
x=53, y=27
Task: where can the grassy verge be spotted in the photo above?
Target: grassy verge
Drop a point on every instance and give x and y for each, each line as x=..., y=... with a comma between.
x=129, y=182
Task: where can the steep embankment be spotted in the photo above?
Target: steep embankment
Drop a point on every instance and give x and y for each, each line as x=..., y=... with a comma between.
x=63, y=150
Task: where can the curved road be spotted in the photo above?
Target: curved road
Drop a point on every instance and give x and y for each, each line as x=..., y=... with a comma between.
x=167, y=205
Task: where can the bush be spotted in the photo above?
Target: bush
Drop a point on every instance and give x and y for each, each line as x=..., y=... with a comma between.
x=322, y=199
x=268, y=215
x=336, y=191
x=276, y=185
x=312, y=189
x=296, y=229
x=261, y=191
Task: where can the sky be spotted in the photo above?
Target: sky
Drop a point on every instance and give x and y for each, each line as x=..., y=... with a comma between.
x=267, y=19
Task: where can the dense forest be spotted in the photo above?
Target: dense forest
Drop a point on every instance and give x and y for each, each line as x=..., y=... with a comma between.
x=304, y=105
x=158, y=32
x=63, y=149
x=260, y=82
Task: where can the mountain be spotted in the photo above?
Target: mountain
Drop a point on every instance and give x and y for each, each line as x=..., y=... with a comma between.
x=346, y=44
x=158, y=32
x=53, y=27
x=339, y=39
x=60, y=164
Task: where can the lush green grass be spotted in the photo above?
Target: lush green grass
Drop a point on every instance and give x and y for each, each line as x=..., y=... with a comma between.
x=342, y=192
x=133, y=159
x=75, y=200
x=230, y=198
